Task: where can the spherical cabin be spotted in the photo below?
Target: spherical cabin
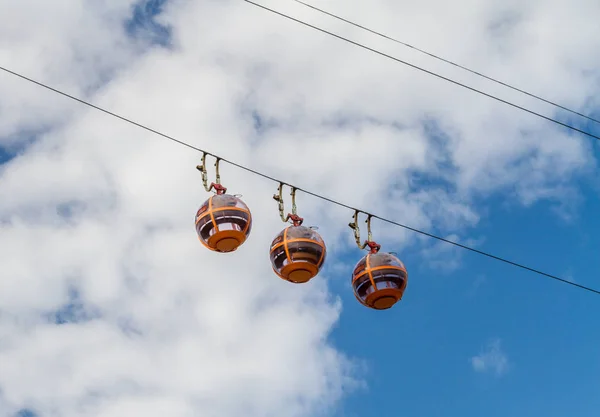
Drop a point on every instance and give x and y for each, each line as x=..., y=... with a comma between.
x=223, y=223
x=297, y=254
x=379, y=280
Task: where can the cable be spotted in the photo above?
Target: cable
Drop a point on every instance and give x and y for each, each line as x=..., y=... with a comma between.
x=447, y=61
x=489, y=255
x=424, y=70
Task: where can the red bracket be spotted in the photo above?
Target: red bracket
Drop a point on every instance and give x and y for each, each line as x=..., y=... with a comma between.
x=297, y=220
x=374, y=247
x=218, y=188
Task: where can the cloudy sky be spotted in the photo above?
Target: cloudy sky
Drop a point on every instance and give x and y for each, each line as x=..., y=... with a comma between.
x=109, y=305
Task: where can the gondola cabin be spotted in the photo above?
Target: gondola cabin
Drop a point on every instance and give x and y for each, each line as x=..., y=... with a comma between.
x=297, y=254
x=379, y=280
x=223, y=223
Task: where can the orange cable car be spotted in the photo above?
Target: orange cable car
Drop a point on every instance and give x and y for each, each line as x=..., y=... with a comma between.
x=223, y=222
x=298, y=252
x=379, y=279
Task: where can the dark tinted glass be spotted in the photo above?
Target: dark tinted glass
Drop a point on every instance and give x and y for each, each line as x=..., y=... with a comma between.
x=305, y=251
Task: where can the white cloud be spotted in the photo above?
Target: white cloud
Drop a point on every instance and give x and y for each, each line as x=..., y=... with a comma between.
x=172, y=326
x=444, y=257
x=492, y=359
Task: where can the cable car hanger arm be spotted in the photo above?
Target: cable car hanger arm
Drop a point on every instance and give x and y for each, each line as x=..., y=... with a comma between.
x=374, y=247
x=293, y=216
x=217, y=186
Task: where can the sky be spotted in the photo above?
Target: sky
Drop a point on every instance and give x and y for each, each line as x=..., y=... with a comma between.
x=109, y=305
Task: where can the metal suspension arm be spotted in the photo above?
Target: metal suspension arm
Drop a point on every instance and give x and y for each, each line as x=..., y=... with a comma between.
x=374, y=247
x=219, y=189
x=293, y=216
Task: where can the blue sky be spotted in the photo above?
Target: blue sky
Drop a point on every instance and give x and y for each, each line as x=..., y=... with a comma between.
x=5, y=155
x=143, y=22
x=419, y=352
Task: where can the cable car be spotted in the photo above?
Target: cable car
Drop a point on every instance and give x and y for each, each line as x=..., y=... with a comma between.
x=298, y=252
x=379, y=279
x=223, y=222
